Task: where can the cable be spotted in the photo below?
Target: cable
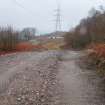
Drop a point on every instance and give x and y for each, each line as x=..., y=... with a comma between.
x=18, y=4
x=21, y=6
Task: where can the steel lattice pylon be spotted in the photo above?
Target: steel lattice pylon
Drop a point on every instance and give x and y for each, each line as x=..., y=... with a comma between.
x=58, y=17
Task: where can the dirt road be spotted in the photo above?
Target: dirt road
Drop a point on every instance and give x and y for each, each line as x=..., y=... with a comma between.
x=81, y=86
x=48, y=78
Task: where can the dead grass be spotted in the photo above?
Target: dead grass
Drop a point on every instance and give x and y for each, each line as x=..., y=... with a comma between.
x=97, y=56
x=27, y=46
x=54, y=44
x=24, y=47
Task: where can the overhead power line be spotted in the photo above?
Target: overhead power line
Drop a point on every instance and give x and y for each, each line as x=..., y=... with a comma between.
x=18, y=4
x=23, y=7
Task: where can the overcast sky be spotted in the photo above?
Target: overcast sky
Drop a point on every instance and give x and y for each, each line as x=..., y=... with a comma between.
x=40, y=13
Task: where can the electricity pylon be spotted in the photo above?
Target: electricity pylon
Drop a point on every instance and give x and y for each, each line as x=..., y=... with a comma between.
x=58, y=18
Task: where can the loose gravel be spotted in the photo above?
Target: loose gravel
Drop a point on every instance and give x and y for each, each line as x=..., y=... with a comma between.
x=30, y=79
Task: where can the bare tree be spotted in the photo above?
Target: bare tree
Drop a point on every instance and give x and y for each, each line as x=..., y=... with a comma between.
x=8, y=39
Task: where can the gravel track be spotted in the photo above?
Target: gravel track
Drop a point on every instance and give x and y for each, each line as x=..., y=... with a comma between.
x=30, y=79
x=48, y=78
x=81, y=86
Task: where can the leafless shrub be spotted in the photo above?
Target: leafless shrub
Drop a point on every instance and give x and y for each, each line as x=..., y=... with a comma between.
x=89, y=30
x=8, y=38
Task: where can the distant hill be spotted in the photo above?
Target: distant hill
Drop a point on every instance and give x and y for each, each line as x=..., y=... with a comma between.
x=53, y=35
x=56, y=34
